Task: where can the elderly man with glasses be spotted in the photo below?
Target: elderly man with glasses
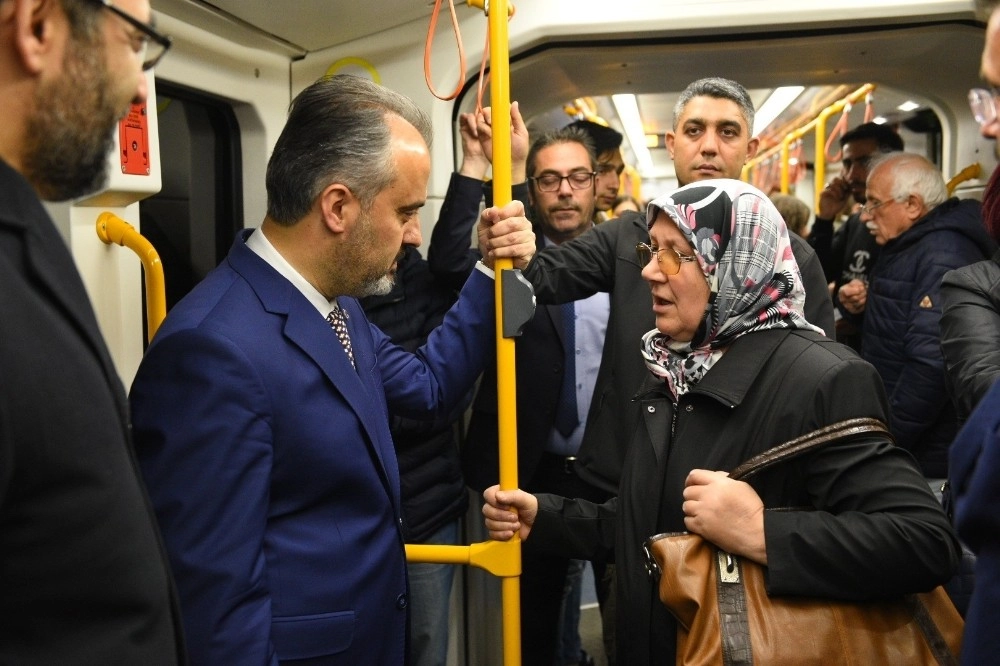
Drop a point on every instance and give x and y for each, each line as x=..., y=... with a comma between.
x=923, y=234
x=849, y=253
x=83, y=576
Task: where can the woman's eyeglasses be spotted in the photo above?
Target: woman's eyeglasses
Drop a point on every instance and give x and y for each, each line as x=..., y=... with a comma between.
x=668, y=258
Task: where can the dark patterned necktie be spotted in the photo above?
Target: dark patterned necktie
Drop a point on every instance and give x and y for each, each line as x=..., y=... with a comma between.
x=338, y=321
x=566, y=409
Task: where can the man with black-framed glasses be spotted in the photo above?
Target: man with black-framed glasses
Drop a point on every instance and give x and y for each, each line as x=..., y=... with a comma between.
x=557, y=358
x=83, y=575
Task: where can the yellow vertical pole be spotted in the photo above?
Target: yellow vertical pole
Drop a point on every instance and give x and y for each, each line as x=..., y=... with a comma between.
x=819, y=163
x=507, y=411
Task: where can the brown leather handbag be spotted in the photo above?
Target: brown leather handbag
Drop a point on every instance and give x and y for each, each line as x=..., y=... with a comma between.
x=725, y=616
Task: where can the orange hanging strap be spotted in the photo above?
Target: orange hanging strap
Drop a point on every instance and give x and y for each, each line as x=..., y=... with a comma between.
x=839, y=130
x=484, y=76
x=799, y=171
x=429, y=42
x=869, y=107
x=773, y=175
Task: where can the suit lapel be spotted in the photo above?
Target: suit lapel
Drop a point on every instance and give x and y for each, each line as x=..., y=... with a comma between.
x=310, y=332
x=49, y=265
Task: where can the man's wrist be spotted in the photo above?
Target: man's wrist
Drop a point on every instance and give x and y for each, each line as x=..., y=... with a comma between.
x=485, y=270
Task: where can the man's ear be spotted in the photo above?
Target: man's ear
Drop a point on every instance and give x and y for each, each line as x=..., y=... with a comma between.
x=668, y=140
x=36, y=31
x=752, y=146
x=338, y=207
x=915, y=207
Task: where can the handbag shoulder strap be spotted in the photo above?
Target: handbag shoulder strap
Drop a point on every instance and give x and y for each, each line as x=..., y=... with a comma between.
x=805, y=443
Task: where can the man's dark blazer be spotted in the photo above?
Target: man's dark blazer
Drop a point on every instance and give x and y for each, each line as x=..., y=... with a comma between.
x=83, y=576
x=539, y=359
x=272, y=469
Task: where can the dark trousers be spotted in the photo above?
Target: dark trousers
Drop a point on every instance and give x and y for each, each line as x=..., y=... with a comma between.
x=543, y=576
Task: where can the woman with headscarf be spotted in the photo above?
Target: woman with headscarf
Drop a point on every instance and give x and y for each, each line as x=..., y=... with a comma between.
x=735, y=369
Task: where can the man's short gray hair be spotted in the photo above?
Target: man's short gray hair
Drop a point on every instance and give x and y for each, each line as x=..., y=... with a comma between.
x=718, y=88
x=912, y=174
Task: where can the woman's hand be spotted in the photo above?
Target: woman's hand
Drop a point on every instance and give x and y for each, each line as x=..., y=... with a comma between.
x=728, y=513
x=507, y=512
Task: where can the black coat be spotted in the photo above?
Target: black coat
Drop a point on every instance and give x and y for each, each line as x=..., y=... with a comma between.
x=433, y=488
x=878, y=530
x=970, y=332
x=604, y=259
x=83, y=576
x=540, y=363
x=430, y=474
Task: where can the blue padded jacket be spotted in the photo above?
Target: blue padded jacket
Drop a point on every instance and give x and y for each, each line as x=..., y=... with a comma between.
x=901, y=335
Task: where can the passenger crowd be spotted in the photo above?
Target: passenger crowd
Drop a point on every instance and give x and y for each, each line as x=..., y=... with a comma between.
x=301, y=414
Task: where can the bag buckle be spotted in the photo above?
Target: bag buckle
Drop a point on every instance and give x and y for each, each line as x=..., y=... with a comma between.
x=729, y=567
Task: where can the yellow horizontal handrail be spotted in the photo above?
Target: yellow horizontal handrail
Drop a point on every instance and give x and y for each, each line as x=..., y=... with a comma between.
x=500, y=558
x=970, y=172
x=819, y=124
x=113, y=229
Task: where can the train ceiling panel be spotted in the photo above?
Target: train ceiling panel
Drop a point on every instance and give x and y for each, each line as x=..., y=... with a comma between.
x=313, y=25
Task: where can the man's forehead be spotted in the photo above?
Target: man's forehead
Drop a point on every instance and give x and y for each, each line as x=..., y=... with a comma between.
x=558, y=152
x=860, y=147
x=705, y=110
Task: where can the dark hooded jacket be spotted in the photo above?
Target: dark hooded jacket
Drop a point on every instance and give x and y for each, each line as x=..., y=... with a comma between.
x=901, y=335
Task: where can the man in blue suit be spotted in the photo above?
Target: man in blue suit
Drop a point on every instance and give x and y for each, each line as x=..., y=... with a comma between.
x=263, y=438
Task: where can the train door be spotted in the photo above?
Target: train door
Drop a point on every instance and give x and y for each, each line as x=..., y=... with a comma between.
x=193, y=219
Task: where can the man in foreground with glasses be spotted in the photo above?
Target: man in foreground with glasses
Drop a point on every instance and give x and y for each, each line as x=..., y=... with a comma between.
x=557, y=359
x=850, y=253
x=84, y=579
x=923, y=235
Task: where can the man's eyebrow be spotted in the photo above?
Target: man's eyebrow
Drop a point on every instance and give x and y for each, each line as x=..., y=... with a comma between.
x=416, y=205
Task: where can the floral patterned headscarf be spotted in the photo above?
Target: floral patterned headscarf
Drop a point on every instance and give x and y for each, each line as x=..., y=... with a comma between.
x=744, y=251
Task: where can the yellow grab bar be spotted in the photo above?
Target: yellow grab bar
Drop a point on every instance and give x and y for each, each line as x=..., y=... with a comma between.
x=113, y=229
x=819, y=125
x=970, y=172
x=500, y=558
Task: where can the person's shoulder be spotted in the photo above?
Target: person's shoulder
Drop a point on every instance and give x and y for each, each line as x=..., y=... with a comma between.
x=629, y=224
x=984, y=273
x=812, y=351
x=800, y=248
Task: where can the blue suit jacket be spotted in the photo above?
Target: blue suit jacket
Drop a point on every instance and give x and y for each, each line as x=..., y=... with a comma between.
x=271, y=467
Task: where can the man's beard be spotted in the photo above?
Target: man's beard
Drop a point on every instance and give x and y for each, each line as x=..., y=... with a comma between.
x=377, y=287
x=70, y=133
x=373, y=284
